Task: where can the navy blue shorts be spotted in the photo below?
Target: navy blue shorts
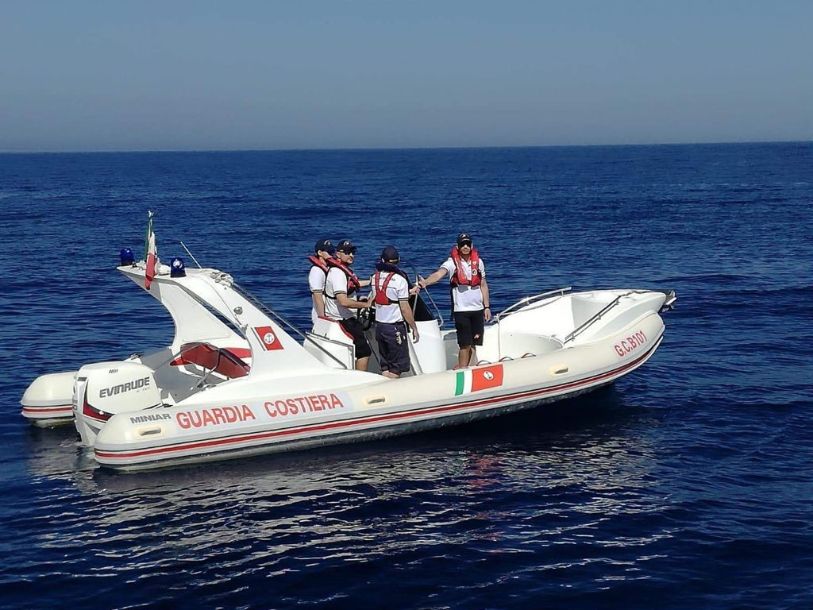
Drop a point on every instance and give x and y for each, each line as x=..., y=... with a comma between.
x=393, y=347
x=470, y=326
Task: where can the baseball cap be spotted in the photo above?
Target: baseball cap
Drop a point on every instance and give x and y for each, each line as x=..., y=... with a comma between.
x=346, y=246
x=464, y=238
x=390, y=253
x=326, y=245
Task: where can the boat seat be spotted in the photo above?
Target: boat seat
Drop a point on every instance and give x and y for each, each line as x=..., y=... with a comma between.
x=584, y=307
x=519, y=344
x=214, y=359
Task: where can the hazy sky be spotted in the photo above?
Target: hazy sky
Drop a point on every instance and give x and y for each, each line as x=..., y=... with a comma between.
x=156, y=75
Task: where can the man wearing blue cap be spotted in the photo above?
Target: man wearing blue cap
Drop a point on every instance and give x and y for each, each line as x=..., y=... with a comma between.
x=392, y=314
x=341, y=285
x=324, y=251
x=470, y=297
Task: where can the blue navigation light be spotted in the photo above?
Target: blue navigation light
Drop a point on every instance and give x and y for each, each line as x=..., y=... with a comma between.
x=126, y=256
x=177, y=268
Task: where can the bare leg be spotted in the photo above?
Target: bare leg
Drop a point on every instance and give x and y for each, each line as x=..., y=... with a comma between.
x=361, y=363
x=464, y=357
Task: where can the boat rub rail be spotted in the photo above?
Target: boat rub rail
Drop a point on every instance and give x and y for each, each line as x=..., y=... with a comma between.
x=122, y=454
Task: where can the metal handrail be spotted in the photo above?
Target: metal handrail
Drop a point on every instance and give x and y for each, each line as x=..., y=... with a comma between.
x=272, y=314
x=417, y=369
x=527, y=300
x=575, y=333
x=414, y=270
x=349, y=348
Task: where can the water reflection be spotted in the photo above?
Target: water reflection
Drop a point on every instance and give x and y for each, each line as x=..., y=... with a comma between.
x=460, y=485
x=56, y=452
x=553, y=487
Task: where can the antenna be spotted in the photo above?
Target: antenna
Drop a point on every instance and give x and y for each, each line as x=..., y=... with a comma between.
x=192, y=256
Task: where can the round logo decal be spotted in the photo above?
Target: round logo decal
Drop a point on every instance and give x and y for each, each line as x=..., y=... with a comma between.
x=488, y=375
x=269, y=338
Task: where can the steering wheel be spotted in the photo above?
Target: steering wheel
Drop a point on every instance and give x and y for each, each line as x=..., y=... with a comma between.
x=367, y=317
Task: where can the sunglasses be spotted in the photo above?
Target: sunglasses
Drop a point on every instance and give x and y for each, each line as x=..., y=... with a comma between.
x=463, y=244
x=349, y=253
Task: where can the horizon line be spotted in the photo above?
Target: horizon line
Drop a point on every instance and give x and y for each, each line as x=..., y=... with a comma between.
x=389, y=148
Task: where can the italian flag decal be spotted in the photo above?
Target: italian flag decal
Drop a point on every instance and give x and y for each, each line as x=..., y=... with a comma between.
x=474, y=380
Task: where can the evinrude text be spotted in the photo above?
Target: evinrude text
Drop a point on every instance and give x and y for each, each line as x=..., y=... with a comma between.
x=121, y=388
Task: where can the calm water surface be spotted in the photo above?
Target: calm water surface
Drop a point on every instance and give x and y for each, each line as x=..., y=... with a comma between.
x=686, y=485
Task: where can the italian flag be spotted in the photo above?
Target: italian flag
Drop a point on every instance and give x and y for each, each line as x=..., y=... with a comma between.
x=481, y=378
x=152, y=253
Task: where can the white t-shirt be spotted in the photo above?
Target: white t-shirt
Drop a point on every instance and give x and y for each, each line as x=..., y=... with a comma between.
x=466, y=298
x=335, y=283
x=397, y=290
x=316, y=282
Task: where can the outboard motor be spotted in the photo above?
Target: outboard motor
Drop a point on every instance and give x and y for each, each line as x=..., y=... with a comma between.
x=104, y=389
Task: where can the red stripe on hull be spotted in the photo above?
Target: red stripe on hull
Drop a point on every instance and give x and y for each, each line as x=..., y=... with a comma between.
x=47, y=409
x=255, y=436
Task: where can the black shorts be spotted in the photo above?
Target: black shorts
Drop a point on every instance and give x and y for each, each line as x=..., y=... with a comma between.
x=353, y=328
x=393, y=347
x=470, y=326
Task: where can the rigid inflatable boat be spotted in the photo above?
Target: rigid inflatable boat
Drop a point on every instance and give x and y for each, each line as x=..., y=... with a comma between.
x=236, y=382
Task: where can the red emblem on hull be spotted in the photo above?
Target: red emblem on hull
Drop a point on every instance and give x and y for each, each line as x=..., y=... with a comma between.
x=487, y=377
x=268, y=337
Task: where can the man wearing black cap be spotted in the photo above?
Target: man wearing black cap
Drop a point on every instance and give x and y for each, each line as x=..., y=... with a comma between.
x=391, y=297
x=324, y=250
x=470, y=297
x=340, y=285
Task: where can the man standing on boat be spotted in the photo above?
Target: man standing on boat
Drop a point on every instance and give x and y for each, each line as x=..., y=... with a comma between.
x=392, y=314
x=340, y=285
x=324, y=251
x=470, y=297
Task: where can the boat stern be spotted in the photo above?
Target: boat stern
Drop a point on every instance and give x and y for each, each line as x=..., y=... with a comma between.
x=104, y=389
x=47, y=401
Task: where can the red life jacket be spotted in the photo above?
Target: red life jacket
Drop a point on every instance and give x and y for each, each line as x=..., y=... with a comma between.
x=381, y=297
x=459, y=276
x=318, y=261
x=353, y=283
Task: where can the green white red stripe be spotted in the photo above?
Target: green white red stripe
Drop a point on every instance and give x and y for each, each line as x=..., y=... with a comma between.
x=474, y=380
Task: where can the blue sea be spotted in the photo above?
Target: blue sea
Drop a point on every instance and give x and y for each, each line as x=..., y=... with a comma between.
x=687, y=484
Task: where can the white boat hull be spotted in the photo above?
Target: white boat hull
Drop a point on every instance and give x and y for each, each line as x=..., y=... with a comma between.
x=234, y=382
x=174, y=441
